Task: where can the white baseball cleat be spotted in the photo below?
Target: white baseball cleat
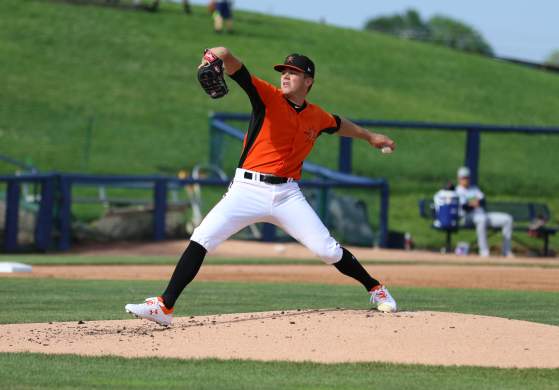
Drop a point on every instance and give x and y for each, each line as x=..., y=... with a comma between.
x=382, y=298
x=152, y=309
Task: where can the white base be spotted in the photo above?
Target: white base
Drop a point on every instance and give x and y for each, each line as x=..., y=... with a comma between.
x=14, y=267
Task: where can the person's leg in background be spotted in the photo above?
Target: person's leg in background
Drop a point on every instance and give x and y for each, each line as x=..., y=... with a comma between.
x=226, y=13
x=218, y=21
x=505, y=222
x=229, y=25
x=480, y=220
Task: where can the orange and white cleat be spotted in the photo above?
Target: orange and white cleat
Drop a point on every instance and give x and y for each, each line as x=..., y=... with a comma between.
x=152, y=309
x=383, y=300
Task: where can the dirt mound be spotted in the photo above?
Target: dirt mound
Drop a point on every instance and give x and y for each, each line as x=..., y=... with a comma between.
x=312, y=335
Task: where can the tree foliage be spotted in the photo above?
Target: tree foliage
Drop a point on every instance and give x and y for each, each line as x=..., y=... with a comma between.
x=440, y=30
x=452, y=33
x=409, y=25
x=553, y=58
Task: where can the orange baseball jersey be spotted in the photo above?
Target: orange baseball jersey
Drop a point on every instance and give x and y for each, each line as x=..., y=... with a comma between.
x=280, y=134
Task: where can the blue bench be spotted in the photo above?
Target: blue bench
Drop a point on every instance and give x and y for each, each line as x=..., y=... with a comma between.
x=525, y=217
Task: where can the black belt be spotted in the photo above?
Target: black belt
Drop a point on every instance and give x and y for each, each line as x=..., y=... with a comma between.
x=270, y=179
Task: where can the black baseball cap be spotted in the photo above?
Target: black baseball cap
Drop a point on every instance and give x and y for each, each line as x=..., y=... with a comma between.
x=297, y=62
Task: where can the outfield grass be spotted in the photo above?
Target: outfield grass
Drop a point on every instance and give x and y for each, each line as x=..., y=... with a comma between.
x=44, y=300
x=33, y=371
x=134, y=73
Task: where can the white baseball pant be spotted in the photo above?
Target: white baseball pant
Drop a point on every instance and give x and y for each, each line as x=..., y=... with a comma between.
x=250, y=201
x=482, y=220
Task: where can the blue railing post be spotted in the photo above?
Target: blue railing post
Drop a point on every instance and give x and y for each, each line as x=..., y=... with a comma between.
x=268, y=232
x=159, y=209
x=65, y=213
x=383, y=215
x=216, y=144
x=344, y=158
x=472, y=154
x=12, y=216
x=43, y=230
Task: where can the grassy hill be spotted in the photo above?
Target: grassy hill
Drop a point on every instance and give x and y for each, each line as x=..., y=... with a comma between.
x=134, y=74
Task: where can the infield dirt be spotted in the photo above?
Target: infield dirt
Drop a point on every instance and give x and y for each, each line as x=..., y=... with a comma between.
x=442, y=276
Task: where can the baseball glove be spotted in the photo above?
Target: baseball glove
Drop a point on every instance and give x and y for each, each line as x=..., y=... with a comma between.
x=210, y=76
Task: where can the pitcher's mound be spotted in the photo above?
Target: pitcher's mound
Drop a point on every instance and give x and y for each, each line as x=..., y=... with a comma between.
x=313, y=335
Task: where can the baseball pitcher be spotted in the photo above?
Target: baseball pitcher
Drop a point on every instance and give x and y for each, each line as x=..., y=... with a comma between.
x=281, y=133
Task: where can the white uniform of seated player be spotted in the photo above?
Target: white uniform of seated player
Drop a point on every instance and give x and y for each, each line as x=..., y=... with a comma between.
x=473, y=212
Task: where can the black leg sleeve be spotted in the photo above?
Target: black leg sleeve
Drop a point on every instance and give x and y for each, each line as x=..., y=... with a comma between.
x=185, y=271
x=349, y=266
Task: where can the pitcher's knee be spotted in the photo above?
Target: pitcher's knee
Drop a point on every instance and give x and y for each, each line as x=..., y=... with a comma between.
x=203, y=238
x=329, y=251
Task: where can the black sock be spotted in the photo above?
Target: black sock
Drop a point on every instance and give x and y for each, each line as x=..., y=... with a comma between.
x=349, y=266
x=185, y=271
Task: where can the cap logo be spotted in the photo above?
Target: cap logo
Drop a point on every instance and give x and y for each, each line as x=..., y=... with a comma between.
x=297, y=62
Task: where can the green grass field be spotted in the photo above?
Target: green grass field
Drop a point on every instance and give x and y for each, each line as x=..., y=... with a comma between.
x=134, y=74
x=70, y=372
x=46, y=300
x=41, y=300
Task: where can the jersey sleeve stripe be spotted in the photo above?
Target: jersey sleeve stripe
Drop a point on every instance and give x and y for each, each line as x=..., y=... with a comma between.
x=334, y=129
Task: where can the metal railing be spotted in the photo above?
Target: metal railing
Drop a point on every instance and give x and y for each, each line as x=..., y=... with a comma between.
x=54, y=218
x=45, y=215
